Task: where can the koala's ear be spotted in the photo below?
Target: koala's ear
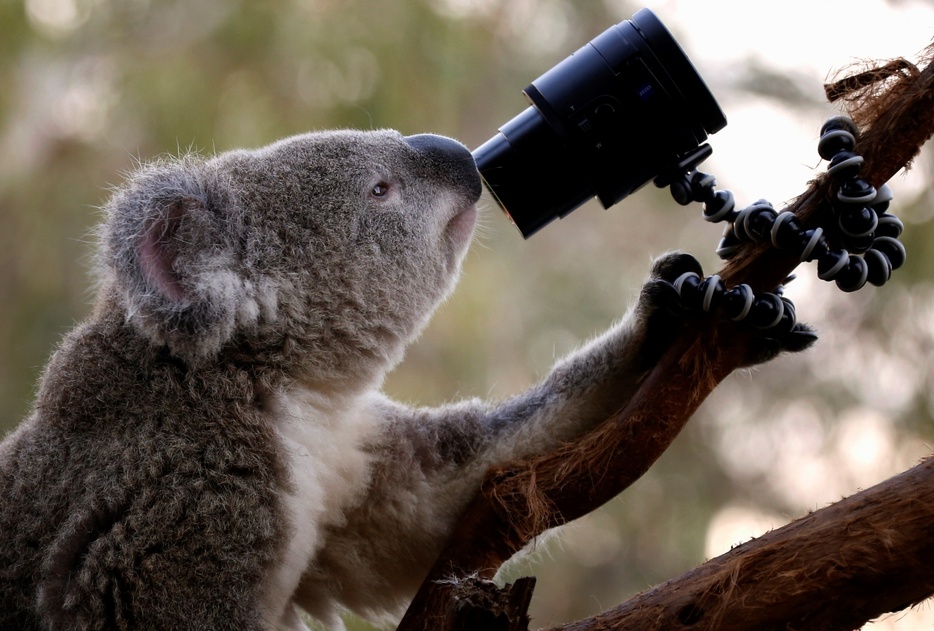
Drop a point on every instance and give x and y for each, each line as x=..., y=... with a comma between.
x=171, y=242
x=160, y=248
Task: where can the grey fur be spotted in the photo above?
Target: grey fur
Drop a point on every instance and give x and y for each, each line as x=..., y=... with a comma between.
x=210, y=449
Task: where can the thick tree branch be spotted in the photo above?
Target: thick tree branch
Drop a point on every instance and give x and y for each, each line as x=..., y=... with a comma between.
x=520, y=500
x=834, y=569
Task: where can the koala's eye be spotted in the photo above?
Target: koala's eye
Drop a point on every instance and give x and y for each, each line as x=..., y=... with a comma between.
x=380, y=190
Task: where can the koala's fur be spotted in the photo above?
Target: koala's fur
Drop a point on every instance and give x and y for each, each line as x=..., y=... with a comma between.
x=210, y=449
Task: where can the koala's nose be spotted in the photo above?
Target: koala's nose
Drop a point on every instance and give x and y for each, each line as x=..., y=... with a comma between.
x=452, y=158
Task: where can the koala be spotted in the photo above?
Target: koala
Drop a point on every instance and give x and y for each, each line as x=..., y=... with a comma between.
x=210, y=449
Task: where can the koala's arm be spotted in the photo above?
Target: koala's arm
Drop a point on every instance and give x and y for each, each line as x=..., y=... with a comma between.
x=429, y=462
x=579, y=392
x=457, y=443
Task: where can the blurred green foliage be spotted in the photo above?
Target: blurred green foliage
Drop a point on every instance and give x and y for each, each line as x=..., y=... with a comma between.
x=93, y=86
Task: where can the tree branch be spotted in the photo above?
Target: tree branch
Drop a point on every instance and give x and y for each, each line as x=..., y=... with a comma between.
x=834, y=569
x=522, y=499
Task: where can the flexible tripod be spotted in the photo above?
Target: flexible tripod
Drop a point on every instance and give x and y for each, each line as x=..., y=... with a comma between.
x=861, y=247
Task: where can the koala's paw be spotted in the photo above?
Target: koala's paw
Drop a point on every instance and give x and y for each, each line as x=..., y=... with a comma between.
x=664, y=311
x=660, y=306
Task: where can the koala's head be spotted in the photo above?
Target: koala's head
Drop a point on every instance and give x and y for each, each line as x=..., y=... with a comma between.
x=326, y=252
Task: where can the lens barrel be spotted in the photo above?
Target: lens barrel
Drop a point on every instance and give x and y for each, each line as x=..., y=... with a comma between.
x=602, y=123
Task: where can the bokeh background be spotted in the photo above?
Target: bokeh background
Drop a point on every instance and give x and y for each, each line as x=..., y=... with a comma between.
x=90, y=87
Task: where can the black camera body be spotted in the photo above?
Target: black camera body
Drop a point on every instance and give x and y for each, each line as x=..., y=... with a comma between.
x=602, y=123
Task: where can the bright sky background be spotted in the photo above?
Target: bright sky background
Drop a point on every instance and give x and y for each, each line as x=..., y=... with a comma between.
x=830, y=34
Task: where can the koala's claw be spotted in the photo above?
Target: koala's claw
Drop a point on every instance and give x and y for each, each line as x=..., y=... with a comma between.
x=800, y=338
x=765, y=348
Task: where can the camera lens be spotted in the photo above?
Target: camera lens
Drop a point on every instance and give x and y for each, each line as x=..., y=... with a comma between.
x=602, y=123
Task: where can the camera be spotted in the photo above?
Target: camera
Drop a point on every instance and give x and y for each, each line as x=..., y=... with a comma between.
x=626, y=108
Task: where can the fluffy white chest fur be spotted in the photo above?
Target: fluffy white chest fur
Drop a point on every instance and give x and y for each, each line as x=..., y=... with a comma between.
x=323, y=437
